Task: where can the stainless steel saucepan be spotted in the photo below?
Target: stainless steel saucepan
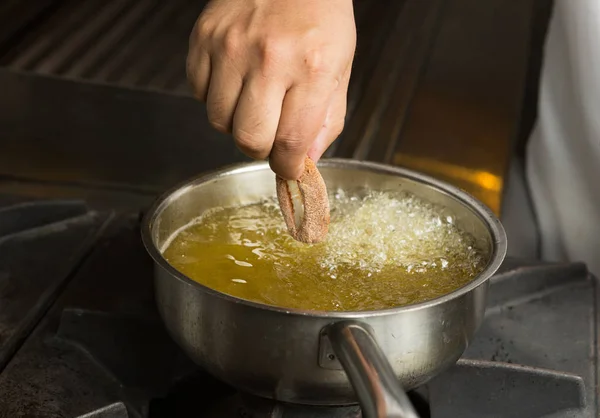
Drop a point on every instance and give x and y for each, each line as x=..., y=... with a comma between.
x=319, y=358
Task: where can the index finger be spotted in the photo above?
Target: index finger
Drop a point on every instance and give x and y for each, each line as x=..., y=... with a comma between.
x=303, y=115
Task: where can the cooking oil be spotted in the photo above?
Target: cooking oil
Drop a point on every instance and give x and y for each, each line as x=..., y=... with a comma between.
x=383, y=250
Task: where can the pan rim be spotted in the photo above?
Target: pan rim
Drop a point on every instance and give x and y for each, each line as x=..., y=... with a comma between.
x=493, y=224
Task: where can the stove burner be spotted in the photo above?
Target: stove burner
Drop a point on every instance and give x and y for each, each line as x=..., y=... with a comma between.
x=238, y=405
x=244, y=406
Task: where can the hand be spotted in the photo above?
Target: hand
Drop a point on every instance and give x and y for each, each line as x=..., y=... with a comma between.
x=275, y=74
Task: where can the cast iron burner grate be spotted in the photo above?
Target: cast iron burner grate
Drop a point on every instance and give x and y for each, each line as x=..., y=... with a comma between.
x=80, y=335
x=182, y=403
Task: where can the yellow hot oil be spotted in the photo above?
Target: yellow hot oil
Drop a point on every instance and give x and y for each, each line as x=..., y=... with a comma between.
x=383, y=250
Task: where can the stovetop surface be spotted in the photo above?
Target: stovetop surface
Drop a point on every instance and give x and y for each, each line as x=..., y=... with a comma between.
x=80, y=334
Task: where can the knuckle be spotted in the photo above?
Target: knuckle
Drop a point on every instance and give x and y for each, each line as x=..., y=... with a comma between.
x=232, y=42
x=316, y=63
x=290, y=143
x=203, y=29
x=271, y=51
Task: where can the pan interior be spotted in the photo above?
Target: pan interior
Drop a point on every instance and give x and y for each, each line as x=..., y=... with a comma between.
x=249, y=184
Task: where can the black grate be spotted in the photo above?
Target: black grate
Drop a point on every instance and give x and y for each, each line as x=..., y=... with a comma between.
x=135, y=43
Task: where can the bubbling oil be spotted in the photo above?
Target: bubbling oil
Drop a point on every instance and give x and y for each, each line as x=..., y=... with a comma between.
x=383, y=250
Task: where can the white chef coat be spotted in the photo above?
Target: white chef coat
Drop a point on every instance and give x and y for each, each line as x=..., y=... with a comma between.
x=563, y=155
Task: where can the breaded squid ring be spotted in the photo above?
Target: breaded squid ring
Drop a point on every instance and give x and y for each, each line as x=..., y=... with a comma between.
x=305, y=205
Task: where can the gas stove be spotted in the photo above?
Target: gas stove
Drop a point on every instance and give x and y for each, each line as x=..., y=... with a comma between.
x=80, y=335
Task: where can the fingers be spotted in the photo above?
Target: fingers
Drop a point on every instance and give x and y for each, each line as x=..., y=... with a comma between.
x=198, y=73
x=198, y=65
x=268, y=72
x=302, y=116
x=332, y=128
x=334, y=122
x=215, y=81
x=223, y=94
x=257, y=116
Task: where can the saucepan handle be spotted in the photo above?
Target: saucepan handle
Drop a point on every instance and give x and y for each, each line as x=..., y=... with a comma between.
x=370, y=373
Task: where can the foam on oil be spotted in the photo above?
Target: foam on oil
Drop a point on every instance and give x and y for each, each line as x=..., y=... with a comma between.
x=383, y=250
